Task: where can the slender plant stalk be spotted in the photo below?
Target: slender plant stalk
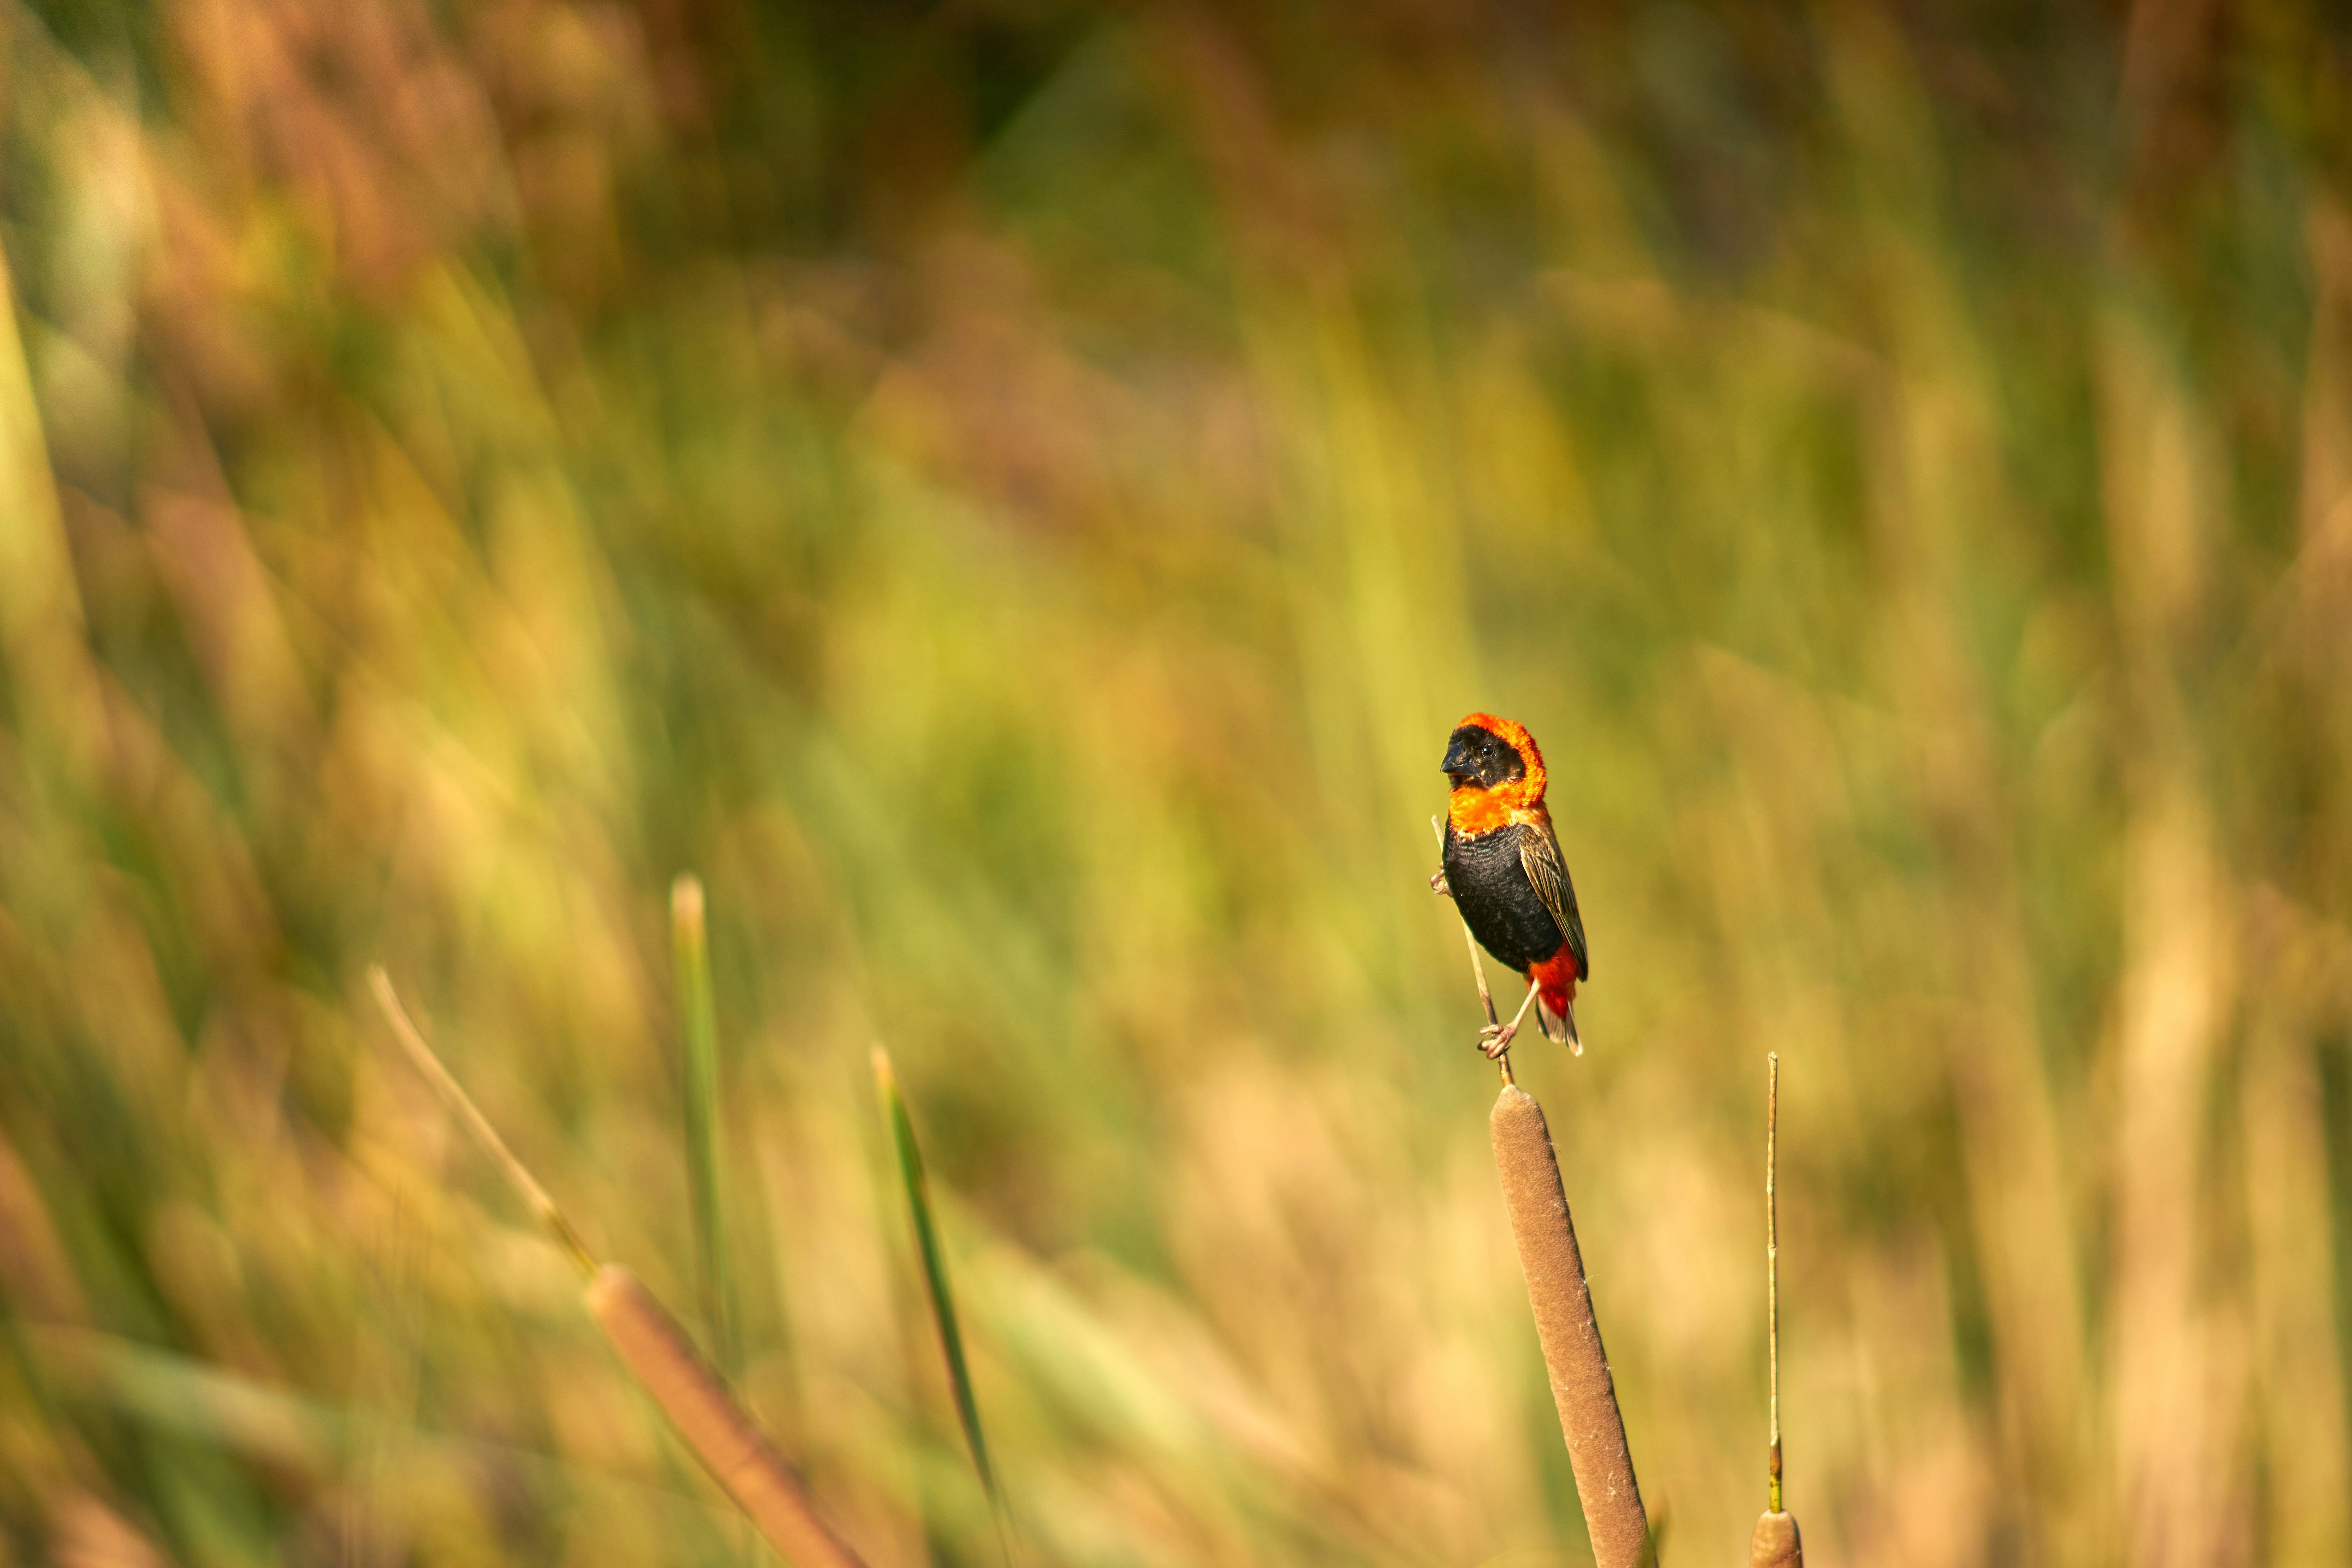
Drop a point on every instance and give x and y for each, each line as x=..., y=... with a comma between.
x=1772, y=1264
x=691, y=947
x=470, y=1118
x=651, y=1343
x=935, y=1278
x=1582, y=1386
x=1776, y=1543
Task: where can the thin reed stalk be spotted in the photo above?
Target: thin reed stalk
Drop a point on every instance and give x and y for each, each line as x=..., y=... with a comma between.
x=1777, y=1542
x=651, y=1343
x=469, y=1116
x=1581, y=1386
x=1773, y=1268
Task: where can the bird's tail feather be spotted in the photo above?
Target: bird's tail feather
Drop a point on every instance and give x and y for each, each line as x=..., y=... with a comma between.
x=1560, y=1029
x=1556, y=1001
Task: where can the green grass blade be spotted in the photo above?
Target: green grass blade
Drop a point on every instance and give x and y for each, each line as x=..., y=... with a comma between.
x=691, y=947
x=935, y=1272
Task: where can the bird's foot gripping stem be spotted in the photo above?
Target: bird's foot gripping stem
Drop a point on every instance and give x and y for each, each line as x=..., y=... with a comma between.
x=1437, y=884
x=1496, y=1038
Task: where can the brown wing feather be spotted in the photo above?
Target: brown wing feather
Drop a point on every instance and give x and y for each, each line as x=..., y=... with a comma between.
x=1539, y=854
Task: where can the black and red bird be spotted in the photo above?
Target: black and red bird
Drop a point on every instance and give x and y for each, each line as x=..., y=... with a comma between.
x=1504, y=869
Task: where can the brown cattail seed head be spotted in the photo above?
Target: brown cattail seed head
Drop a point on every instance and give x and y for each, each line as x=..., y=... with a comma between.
x=1777, y=1544
x=706, y=1415
x=1580, y=1385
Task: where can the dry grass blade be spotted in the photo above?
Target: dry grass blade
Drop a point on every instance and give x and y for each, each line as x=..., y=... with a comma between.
x=935, y=1272
x=699, y=1024
x=697, y=1400
x=461, y=1106
x=1581, y=1386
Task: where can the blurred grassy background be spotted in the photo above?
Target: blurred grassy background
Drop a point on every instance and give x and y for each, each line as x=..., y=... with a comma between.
x=1014, y=494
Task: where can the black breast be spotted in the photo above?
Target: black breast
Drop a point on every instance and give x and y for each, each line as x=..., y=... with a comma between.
x=1495, y=898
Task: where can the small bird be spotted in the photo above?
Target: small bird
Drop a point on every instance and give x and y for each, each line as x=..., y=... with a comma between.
x=1504, y=868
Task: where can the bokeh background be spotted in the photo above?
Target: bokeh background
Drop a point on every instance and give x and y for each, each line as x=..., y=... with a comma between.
x=1014, y=494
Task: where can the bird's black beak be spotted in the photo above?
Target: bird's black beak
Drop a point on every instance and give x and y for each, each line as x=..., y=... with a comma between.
x=1459, y=763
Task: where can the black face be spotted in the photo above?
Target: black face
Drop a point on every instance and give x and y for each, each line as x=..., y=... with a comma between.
x=1473, y=753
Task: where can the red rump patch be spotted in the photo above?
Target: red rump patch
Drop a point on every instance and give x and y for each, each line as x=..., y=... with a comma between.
x=1556, y=978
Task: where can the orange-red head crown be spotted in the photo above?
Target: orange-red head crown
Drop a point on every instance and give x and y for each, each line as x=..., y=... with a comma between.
x=1530, y=789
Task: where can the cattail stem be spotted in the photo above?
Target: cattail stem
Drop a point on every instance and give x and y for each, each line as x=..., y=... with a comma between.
x=1772, y=1265
x=1776, y=1543
x=1581, y=1386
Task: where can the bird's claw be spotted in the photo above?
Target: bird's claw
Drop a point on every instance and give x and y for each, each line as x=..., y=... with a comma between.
x=1496, y=1038
x=1437, y=883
